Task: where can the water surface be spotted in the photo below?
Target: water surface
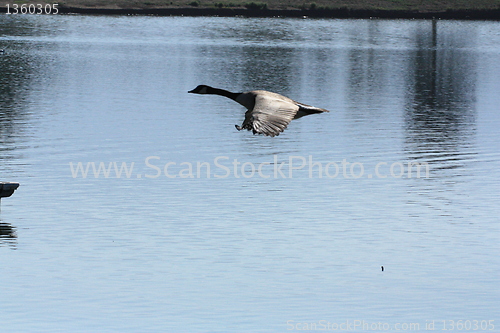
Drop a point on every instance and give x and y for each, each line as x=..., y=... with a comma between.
x=232, y=251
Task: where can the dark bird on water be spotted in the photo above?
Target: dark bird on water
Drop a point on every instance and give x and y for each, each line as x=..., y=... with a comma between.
x=382, y=268
x=268, y=113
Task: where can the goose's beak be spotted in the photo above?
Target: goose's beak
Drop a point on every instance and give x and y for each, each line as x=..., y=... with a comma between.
x=191, y=91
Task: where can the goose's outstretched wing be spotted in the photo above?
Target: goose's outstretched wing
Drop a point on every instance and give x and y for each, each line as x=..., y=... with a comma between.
x=270, y=115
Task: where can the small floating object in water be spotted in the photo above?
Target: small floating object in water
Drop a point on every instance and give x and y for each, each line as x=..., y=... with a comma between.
x=382, y=268
x=7, y=189
x=2, y=51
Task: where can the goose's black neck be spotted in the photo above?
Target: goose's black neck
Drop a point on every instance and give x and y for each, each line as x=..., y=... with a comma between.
x=225, y=93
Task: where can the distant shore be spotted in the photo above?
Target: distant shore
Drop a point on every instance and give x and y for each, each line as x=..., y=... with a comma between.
x=477, y=10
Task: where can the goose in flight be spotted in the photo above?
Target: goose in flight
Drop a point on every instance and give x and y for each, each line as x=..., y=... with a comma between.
x=268, y=113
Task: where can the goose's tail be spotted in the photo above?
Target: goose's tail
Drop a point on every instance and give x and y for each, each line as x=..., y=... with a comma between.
x=305, y=110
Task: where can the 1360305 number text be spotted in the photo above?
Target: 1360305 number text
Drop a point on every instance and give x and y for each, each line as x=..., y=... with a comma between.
x=33, y=9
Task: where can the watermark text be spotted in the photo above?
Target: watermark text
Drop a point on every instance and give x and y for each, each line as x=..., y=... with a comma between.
x=225, y=167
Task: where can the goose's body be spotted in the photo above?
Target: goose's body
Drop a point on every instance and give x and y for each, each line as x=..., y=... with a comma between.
x=268, y=113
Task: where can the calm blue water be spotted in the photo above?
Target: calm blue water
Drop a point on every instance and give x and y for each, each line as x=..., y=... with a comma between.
x=236, y=248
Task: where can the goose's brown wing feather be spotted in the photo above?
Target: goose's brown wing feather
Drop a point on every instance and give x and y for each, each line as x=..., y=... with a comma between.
x=271, y=115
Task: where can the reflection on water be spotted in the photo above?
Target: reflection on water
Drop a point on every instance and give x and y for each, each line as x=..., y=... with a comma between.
x=440, y=115
x=8, y=235
x=15, y=79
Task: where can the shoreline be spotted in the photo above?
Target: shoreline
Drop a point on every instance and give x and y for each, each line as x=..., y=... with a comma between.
x=344, y=13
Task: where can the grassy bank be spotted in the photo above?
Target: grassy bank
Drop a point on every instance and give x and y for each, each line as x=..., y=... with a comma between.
x=333, y=7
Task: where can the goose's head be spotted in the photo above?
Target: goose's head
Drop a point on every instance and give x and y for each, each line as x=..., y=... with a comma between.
x=201, y=89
